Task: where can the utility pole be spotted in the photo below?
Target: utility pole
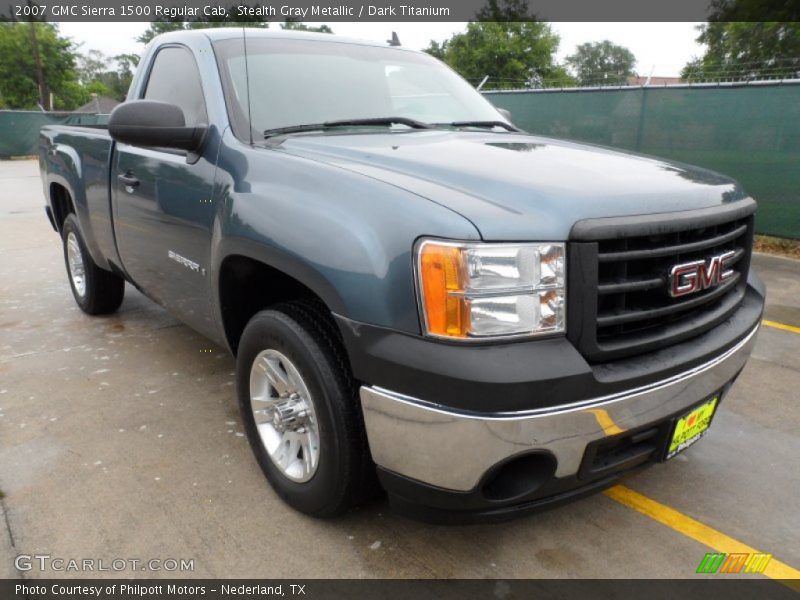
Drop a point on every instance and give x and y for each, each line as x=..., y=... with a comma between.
x=43, y=95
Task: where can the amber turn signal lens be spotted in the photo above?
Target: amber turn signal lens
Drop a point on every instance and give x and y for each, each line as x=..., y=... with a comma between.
x=480, y=290
x=442, y=277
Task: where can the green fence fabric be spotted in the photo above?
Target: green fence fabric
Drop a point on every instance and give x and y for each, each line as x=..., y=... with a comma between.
x=19, y=129
x=749, y=132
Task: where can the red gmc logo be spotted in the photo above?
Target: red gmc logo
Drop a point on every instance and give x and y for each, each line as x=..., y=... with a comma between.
x=692, y=277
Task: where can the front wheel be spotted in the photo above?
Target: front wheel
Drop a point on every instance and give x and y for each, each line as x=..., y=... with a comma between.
x=96, y=291
x=300, y=410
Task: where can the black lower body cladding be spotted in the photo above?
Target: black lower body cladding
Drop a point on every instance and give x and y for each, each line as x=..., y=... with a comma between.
x=524, y=375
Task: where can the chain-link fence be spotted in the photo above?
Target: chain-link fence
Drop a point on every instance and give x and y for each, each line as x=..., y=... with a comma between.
x=748, y=131
x=776, y=70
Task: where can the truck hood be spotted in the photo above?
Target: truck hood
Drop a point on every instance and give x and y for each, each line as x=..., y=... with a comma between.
x=519, y=186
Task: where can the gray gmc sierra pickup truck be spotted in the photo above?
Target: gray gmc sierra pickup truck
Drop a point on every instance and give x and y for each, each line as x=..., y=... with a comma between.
x=420, y=296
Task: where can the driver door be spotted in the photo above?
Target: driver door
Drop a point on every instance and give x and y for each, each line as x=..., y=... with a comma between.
x=162, y=200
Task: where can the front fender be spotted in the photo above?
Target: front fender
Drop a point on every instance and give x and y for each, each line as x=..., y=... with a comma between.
x=281, y=260
x=346, y=236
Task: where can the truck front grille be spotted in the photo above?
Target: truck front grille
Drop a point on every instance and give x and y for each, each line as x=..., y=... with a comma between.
x=621, y=276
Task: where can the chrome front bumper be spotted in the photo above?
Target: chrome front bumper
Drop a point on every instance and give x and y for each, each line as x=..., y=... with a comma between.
x=451, y=450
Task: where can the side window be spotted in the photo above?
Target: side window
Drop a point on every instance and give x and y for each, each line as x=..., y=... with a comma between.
x=174, y=78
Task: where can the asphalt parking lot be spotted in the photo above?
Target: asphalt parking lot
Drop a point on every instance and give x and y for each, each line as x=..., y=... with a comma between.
x=120, y=438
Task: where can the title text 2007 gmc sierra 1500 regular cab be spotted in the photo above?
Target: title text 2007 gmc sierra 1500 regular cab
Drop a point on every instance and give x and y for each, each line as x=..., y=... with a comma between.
x=419, y=296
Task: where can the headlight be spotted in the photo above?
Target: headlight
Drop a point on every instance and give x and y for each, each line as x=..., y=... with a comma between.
x=483, y=290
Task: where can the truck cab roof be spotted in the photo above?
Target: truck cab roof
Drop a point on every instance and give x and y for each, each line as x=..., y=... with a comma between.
x=226, y=33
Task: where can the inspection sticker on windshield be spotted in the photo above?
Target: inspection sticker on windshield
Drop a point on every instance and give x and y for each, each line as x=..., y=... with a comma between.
x=692, y=426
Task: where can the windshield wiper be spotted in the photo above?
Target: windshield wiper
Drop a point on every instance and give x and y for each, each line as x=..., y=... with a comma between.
x=486, y=124
x=378, y=121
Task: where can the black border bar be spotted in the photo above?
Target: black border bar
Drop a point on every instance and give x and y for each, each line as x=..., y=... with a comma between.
x=332, y=11
x=730, y=587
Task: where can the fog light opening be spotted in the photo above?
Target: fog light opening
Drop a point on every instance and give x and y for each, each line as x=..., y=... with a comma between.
x=519, y=477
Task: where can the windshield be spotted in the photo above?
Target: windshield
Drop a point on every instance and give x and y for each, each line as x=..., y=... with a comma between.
x=298, y=82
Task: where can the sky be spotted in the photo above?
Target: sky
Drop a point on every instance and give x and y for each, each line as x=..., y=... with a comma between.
x=661, y=49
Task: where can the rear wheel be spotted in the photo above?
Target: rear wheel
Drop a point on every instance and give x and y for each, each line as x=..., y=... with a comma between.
x=300, y=410
x=96, y=291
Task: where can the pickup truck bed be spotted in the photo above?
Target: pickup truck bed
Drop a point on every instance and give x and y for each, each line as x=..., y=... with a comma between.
x=79, y=159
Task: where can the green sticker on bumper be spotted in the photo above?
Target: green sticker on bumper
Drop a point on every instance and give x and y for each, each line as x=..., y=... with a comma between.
x=692, y=426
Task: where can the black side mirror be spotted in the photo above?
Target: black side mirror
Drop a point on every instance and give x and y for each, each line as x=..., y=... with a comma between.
x=506, y=113
x=153, y=124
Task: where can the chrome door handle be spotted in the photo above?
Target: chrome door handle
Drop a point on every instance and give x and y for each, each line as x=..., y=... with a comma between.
x=128, y=179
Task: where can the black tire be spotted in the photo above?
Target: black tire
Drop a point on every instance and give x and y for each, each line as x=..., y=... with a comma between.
x=303, y=331
x=104, y=290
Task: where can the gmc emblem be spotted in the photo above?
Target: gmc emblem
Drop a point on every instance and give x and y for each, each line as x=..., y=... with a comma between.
x=699, y=275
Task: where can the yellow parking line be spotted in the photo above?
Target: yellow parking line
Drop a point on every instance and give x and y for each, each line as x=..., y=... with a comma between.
x=783, y=326
x=696, y=530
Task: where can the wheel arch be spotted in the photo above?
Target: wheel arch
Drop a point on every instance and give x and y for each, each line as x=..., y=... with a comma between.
x=61, y=204
x=248, y=281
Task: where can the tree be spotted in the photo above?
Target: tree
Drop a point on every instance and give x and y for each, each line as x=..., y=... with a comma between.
x=513, y=54
x=126, y=63
x=157, y=28
x=95, y=76
x=436, y=49
x=90, y=66
x=508, y=44
x=507, y=11
x=602, y=63
x=291, y=25
x=19, y=87
x=748, y=39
